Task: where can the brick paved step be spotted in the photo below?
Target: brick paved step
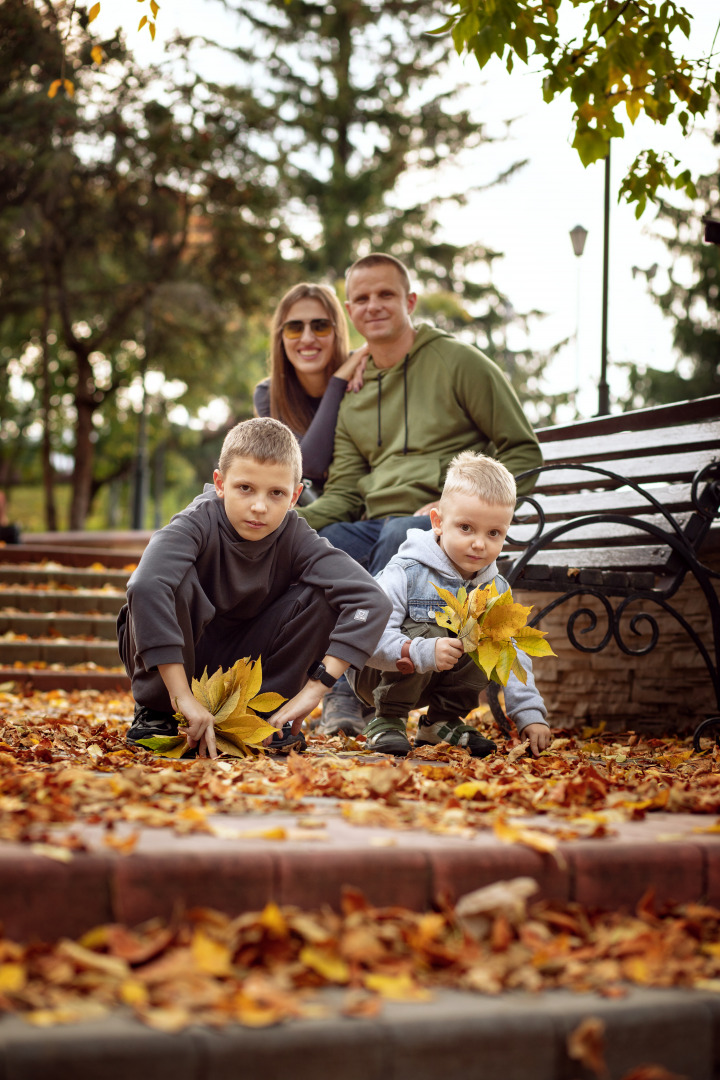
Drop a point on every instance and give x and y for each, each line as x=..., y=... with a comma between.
x=58, y=624
x=106, y=602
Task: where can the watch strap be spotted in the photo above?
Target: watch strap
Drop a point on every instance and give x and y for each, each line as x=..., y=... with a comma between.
x=405, y=665
x=321, y=674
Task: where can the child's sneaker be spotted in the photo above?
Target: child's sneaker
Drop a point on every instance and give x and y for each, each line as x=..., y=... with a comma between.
x=149, y=724
x=455, y=733
x=342, y=711
x=284, y=741
x=387, y=736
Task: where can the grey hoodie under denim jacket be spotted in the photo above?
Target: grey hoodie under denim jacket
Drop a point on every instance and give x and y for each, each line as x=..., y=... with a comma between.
x=407, y=579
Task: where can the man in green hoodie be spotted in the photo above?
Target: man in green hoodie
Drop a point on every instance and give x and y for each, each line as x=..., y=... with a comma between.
x=426, y=397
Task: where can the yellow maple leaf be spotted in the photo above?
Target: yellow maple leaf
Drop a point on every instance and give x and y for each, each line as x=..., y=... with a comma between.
x=328, y=964
x=230, y=696
x=492, y=627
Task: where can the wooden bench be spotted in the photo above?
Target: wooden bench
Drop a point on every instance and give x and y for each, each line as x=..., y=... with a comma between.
x=621, y=510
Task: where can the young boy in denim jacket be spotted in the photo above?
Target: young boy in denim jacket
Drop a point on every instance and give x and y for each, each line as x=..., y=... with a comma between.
x=236, y=574
x=416, y=663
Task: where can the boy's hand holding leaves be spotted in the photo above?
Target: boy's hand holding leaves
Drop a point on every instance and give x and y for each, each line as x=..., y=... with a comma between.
x=492, y=627
x=233, y=699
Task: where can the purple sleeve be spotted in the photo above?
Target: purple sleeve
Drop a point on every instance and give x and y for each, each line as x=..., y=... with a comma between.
x=261, y=398
x=317, y=442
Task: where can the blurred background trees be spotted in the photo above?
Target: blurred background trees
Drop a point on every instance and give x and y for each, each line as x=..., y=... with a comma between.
x=151, y=220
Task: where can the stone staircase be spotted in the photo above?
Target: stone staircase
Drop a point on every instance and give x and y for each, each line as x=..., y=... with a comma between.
x=58, y=605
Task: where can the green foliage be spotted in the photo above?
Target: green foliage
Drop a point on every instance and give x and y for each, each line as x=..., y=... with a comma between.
x=691, y=300
x=139, y=232
x=626, y=61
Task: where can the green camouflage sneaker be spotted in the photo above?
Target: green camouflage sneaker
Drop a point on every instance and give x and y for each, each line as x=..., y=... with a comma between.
x=455, y=733
x=387, y=736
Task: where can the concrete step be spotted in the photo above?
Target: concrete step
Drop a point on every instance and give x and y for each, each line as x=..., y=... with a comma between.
x=454, y=1036
x=58, y=624
x=54, y=576
x=25, y=599
x=57, y=618
x=48, y=650
x=25, y=678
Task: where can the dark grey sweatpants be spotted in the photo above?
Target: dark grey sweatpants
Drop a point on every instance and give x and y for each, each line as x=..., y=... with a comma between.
x=288, y=635
x=448, y=694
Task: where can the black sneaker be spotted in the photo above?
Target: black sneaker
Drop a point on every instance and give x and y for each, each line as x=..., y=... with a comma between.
x=150, y=723
x=284, y=741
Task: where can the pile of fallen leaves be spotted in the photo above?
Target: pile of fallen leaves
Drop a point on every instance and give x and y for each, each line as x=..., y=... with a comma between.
x=265, y=967
x=64, y=762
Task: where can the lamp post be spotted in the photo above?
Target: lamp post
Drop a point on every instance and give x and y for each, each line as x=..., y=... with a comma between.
x=578, y=236
x=603, y=388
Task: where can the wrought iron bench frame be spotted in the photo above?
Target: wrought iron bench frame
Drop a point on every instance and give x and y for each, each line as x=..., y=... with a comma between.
x=581, y=573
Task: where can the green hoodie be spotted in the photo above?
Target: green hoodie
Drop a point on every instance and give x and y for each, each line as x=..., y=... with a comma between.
x=396, y=437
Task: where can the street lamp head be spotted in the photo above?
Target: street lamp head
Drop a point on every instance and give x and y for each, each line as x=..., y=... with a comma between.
x=578, y=236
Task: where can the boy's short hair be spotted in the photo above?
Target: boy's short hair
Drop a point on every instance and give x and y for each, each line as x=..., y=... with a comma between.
x=376, y=258
x=265, y=440
x=481, y=476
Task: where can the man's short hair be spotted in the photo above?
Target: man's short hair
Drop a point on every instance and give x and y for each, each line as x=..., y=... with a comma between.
x=481, y=476
x=265, y=440
x=376, y=259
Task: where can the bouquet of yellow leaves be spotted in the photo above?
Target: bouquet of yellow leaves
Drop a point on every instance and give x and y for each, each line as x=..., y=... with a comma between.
x=234, y=699
x=492, y=627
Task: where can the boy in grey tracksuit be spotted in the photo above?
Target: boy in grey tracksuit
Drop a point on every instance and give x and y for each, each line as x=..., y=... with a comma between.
x=416, y=662
x=239, y=574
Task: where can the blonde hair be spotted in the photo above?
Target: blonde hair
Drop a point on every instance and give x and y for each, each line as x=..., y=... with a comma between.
x=289, y=402
x=481, y=476
x=265, y=440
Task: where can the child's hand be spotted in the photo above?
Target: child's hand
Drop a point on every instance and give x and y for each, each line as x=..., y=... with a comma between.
x=200, y=728
x=540, y=737
x=448, y=651
x=298, y=707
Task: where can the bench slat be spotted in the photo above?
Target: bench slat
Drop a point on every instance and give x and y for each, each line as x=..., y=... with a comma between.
x=674, y=497
x=674, y=466
x=693, y=437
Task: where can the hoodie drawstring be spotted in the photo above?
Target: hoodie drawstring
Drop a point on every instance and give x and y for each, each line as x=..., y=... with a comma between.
x=405, y=405
x=405, y=364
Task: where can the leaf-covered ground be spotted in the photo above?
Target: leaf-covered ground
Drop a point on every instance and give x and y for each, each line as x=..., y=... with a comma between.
x=64, y=764
x=64, y=761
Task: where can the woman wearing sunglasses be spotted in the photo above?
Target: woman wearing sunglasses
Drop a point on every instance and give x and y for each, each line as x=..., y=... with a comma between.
x=310, y=371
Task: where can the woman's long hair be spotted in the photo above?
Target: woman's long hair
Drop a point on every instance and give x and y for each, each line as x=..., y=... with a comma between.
x=288, y=401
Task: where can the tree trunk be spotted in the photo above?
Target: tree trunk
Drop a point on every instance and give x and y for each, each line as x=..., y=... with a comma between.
x=84, y=445
x=47, y=467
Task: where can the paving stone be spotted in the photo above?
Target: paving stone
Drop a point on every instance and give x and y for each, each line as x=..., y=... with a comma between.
x=114, y=1048
x=618, y=875
x=460, y=870
x=146, y=886
x=42, y=898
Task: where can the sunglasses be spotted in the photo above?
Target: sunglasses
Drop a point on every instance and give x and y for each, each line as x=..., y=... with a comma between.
x=293, y=329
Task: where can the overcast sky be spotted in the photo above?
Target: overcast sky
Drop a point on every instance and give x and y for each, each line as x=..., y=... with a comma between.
x=529, y=218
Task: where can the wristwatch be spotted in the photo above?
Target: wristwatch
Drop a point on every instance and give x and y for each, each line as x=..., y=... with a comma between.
x=404, y=664
x=321, y=674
